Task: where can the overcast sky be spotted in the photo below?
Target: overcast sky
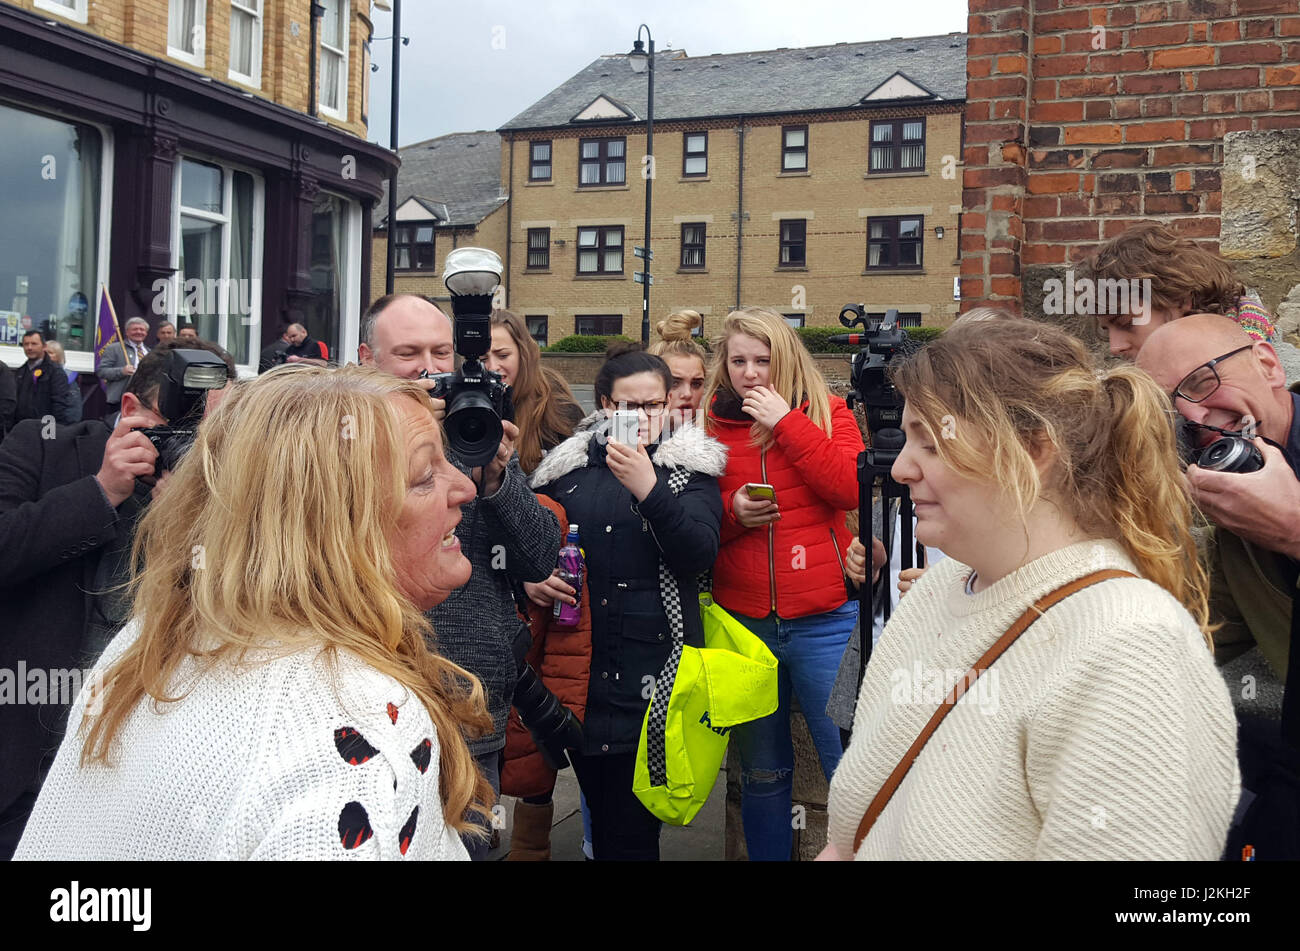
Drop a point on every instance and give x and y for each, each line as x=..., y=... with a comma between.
x=476, y=64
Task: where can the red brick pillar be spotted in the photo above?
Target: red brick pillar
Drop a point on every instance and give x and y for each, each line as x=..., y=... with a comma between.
x=995, y=174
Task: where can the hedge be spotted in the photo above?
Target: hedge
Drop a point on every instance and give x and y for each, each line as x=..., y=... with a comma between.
x=816, y=339
x=583, y=343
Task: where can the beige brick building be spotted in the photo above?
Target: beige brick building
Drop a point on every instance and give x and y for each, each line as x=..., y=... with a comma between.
x=264, y=51
x=177, y=154
x=801, y=180
x=449, y=194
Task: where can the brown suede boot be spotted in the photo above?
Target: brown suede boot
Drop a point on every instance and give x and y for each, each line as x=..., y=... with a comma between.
x=530, y=840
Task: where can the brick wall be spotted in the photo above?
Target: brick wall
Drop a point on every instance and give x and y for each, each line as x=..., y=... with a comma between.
x=1084, y=118
x=142, y=25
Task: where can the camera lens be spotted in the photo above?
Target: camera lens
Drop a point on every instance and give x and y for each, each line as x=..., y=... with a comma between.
x=1231, y=454
x=473, y=428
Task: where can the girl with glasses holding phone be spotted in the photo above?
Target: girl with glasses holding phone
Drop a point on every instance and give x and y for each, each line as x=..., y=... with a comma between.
x=629, y=521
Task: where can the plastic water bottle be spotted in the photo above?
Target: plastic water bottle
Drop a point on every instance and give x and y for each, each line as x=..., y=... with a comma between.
x=573, y=569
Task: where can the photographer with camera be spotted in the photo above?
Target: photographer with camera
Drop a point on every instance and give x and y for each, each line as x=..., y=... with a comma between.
x=791, y=477
x=505, y=533
x=1231, y=390
x=69, y=500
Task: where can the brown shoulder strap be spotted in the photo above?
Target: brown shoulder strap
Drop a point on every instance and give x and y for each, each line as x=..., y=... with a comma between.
x=1032, y=614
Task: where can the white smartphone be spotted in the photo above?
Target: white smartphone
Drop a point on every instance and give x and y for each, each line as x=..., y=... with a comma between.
x=625, y=427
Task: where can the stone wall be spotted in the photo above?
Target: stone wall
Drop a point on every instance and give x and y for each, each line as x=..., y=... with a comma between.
x=581, y=368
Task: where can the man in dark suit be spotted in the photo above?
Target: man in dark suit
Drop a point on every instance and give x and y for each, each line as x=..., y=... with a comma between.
x=42, y=386
x=120, y=360
x=69, y=496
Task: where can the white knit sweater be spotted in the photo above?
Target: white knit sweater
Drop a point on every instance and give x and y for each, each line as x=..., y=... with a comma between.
x=253, y=764
x=1104, y=732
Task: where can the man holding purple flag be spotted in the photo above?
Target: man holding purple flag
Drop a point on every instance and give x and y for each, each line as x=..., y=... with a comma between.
x=115, y=361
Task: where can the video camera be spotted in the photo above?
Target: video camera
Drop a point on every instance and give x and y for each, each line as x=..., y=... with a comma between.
x=882, y=340
x=869, y=381
x=182, y=398
x=477, y=399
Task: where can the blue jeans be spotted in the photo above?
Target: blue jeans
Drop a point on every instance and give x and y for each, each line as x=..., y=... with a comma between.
x=490, y=765
x=808, y=650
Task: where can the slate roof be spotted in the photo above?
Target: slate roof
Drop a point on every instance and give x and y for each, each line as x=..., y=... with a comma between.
x=763, y=82
x=461, y=171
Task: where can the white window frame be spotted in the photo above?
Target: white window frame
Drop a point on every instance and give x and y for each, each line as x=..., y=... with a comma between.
x=76, y=13
x=175, y=292
x=344, y=9
x=253, y=79
x=199, y=56
x=81, y=361
x=350, y=318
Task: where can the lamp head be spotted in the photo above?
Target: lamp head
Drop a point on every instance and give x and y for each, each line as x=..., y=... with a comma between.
x=638, y=57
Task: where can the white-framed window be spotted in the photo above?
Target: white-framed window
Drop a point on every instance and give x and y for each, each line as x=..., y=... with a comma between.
x=246, y=42
x=217, y=228
x=332, y=313
x=71, y=9
x=186, y=36
x=334, y=59
x=51, y=268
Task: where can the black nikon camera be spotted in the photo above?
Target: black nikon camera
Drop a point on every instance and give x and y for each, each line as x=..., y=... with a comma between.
x=477, y=400
x=182, y=397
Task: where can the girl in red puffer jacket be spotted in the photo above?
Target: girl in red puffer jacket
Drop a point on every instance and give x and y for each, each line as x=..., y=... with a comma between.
x=780, y=568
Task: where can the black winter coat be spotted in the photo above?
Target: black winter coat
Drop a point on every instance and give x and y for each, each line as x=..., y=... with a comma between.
x=55, y=523
x=623, y=541
x=49, y=394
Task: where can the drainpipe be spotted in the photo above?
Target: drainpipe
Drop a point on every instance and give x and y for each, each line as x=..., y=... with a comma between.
x=510, y=207
x=392, y=144
x=316, y=12
x=740, y=203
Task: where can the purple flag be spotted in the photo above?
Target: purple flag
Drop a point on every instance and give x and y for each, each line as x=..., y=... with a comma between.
x=106, y=334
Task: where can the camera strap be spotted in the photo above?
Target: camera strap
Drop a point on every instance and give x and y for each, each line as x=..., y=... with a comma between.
x=1291, y=688
x=656, y=729
x=963, y=684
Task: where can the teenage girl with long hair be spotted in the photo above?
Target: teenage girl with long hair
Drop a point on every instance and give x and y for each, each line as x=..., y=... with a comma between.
x=687, y=360
x=546, y=414
x=545, y=410
x=1104, y=731
x=780, y=569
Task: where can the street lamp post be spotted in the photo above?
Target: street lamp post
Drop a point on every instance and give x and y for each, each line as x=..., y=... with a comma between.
x=391, y=252
x=638, y=59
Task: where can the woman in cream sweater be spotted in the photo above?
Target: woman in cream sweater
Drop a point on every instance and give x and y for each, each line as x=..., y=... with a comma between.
x=1104, y=732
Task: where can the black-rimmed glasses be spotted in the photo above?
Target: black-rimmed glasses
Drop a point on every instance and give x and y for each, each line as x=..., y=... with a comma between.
x=1204, y=380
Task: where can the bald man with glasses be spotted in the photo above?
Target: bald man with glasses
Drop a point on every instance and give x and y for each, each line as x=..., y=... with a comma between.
x=1222, y=382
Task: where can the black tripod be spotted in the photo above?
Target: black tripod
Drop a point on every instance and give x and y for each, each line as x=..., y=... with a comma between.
x=874, y=466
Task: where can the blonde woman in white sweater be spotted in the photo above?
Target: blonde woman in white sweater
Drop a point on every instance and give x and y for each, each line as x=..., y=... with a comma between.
x=274, y=698
x=1104, y=731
